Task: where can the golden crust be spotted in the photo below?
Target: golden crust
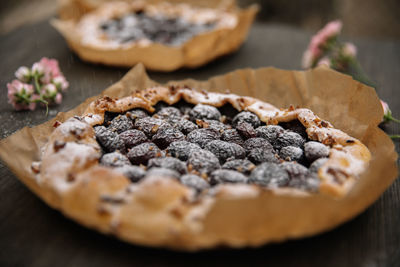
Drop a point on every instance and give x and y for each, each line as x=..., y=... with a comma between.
x=84, y=37
x=162, y=212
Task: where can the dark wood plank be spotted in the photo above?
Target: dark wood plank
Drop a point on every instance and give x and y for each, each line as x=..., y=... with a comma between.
x=32, y=234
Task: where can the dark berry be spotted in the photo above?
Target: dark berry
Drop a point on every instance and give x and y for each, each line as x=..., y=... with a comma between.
x=257, y=142
x=203, y=136
x=213, y=124
x=295, y=170
x=270, y=132
x=194, y=181
x=109, y=140
x=169, y=163
x=183, y=125
x=270, y=175
x=232, y=136
x=149, y=125
x=182, y=149
x=289, y=139
x=315, y=150
x=203, y=161
x=114, y=159
x=224, y=150
x=246, y=116
x=260, y=155
x=167, y=134
x=241, y=165
x=162, y=172
x=134, y=173
x=291, y=153
x=227, y=176
x=317, y=164
x=295, y=126
x=142, y=153
x=300, y=177
x=132, y=138
x=121, y=124
x=246, y=130
x=201, y=112
x=167, y=112
x=136, y=114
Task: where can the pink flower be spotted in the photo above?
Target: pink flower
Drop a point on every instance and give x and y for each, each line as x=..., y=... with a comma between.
x=349, y=50
x=19, y=95
x=51, y=69
x=61, y=83
x=319, y=41
x=331, y=29
x=23, y=74
x=44, y=76
x=17, y=87
x=324, y=61
x=50, y=90
x=386, y=109
x=37, y=68
x=58, y=98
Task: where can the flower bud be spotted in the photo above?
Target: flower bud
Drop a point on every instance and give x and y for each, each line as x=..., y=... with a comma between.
x=61, y=82
x=51, y=90
x=349, y=50
x=324, y=61
x=386, y=109
x=20, y=94
x=58, y=98
x=23, y=74
x=37, y=69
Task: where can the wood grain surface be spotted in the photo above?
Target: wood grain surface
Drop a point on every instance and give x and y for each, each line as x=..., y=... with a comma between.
x=32, y=234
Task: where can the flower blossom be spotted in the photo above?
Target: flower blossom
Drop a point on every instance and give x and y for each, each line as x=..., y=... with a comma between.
x=50, y=90
x=51, y=69
x=349, y=50
x=23, y=74
x=20, y=95
x=61, y=83
x=42, y=83
x=324, y=61
x=386, y=109
x=58, y=98
x=319, y=42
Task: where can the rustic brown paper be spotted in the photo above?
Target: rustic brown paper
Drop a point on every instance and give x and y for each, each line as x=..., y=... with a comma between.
x=196, y=52
x=347, y=104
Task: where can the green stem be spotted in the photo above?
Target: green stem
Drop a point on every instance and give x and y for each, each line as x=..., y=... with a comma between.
x=37, y=85
x=394, y=119
x=41, y=100
x=395, y=136
x=24, y=97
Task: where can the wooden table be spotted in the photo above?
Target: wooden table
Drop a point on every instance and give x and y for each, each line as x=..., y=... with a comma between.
x=32, y=234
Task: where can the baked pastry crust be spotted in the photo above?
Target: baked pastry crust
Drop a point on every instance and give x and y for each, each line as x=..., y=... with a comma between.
x=163, y=212
x=84, y=36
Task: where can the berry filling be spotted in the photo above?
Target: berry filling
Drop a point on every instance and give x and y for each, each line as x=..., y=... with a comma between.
x=161, y=29
x=203, y=146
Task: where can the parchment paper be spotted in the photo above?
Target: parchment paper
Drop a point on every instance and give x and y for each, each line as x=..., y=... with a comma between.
x=347, y=104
